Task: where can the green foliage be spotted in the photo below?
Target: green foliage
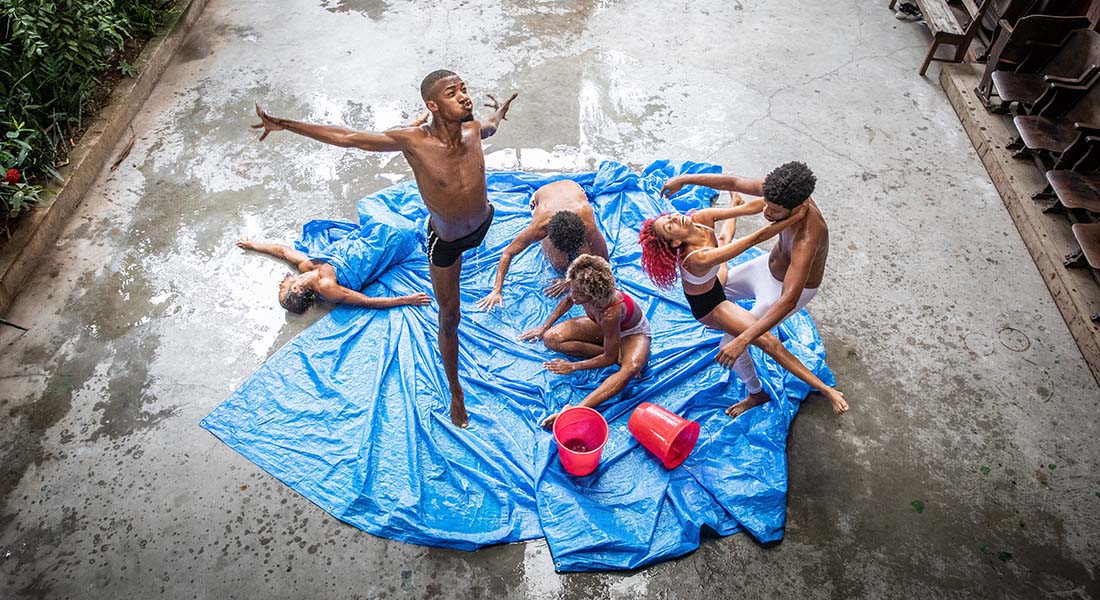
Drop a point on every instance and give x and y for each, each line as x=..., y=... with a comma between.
x=52, y=55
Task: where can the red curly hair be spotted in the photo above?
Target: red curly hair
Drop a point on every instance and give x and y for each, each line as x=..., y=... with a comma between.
x=658, y=257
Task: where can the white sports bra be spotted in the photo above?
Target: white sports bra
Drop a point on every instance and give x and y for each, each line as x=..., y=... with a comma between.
x=687, y=276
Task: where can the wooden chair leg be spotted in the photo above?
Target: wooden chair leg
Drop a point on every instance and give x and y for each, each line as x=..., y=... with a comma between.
x=960, y=49
x=1046, y=194
x=928, y=57
x=1075, y=260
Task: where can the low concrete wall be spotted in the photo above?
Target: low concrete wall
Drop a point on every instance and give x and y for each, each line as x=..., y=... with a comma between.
x=41, y=226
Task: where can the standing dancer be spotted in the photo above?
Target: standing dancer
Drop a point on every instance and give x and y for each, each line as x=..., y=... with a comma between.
x=675, y=242
x=449, y=166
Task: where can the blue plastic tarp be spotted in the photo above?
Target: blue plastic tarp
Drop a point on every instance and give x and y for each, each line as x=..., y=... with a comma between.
x=353, y=412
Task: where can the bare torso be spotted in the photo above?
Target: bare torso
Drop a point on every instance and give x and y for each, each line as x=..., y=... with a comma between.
x=558, y=196
x=813, y=228
x=451, y=180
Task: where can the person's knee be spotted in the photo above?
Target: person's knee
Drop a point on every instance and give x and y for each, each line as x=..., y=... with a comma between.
x=553, y=339
x=449, y=319
x=632, y=367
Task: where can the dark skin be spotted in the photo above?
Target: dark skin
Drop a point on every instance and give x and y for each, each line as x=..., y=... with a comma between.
x=797, y=259
x=545, y=203
x=597, y=339
x=320, y=277
x=702, y=253
x=448, y=164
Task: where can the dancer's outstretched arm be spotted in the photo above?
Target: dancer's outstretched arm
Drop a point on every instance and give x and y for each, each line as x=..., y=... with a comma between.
x=391, y=140
x=715, y=181
x=280, y=251
x=536, y=333
x=334, y=292
x=489, y=126
x=704, y=259
x=528, y=236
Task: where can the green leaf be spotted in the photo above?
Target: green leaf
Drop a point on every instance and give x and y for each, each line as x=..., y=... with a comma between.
x=985, y=470
x=917, y=506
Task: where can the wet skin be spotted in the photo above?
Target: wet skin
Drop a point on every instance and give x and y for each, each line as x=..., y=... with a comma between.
x=449, y=167
x=699, y=245
x=546, y=202
x=320, y=278
x=597, y=339
x=797, y=259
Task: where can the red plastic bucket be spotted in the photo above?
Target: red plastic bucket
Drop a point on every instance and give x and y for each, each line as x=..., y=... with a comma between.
x=664, y=433
x=581, y=434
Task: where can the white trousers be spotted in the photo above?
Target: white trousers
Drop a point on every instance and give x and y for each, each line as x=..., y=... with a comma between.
x=753, y=279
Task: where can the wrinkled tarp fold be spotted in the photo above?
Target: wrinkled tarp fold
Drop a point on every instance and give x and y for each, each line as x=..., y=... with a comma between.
x=353, y=412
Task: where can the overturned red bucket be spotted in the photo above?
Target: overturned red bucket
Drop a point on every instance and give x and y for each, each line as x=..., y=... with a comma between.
x=664, y=433
x=581, y=433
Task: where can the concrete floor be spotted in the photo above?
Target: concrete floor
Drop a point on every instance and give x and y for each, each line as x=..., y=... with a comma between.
x=967, y=392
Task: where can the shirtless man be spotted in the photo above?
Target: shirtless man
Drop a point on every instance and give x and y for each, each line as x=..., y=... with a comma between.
x=562, y=219
x=319, y=279
x=783, y=281
x=446, y=158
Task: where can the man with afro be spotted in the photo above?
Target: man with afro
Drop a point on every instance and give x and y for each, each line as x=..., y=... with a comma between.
x=563, y=221
x=782, y=281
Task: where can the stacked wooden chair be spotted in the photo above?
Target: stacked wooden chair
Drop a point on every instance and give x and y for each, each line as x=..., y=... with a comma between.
x=1046, y=70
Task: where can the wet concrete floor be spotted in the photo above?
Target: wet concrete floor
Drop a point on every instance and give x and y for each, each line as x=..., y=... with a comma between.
x=969, y=398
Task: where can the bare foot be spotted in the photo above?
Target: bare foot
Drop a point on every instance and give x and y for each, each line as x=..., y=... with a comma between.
x=458, y=409
x=839, y=405
x=750, y=401
x=736, y=199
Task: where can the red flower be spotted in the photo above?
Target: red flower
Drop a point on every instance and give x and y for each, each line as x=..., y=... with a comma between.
x=12, y=176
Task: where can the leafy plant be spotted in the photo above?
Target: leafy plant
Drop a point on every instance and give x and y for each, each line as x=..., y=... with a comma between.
x=52, y=55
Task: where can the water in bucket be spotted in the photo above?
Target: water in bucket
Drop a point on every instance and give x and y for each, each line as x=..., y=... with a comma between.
x=580, y=433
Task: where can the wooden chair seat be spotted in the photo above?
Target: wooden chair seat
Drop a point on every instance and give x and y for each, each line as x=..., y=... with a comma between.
x=1088, y=237
x=937, y=14
x=1076, y=190
x=1024, y=88
x=1044, y=133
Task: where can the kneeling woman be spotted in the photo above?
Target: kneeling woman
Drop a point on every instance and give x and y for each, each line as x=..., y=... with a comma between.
x=686, y=245
x=614, y=330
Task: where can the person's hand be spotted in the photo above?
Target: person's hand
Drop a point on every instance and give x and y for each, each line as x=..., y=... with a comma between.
x=246, y=243
x=417, y=299
x=267, y=122
x=559, y=366
x=533, y=334
x=796, y=215
x=423, y=118
x=494, y=298
x=548, y=423
x=728, y=354
x=556, y=288
x=502, y=109
x=671, y=187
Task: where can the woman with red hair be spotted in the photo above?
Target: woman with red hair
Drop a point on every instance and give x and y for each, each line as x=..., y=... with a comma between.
x=676, y=246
